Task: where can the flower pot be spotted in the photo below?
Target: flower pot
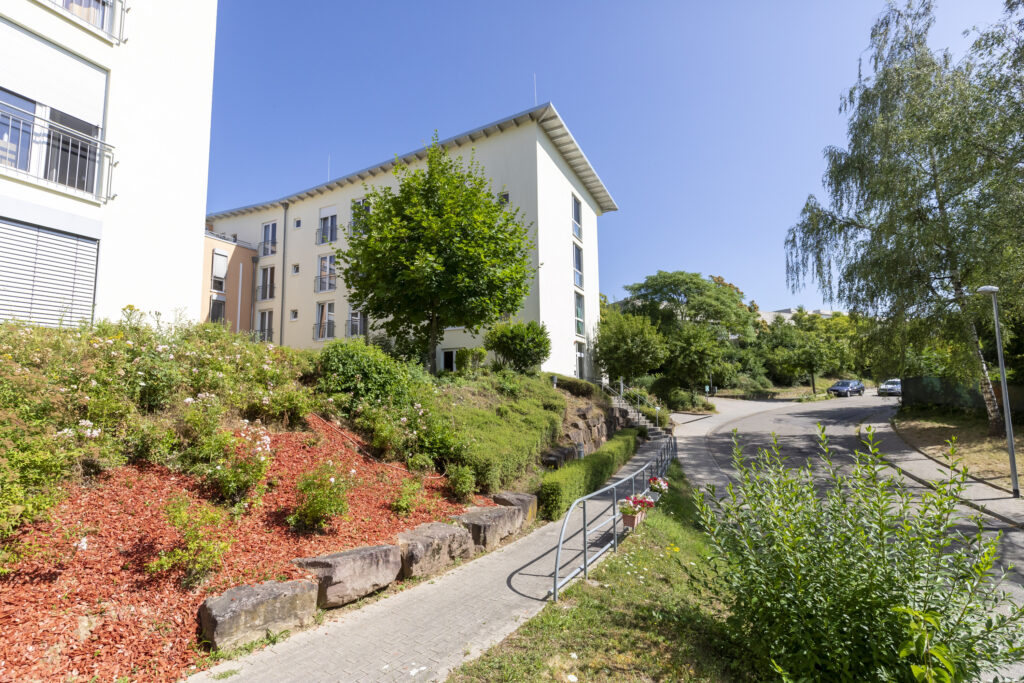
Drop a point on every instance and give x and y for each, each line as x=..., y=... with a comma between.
x=630, y=520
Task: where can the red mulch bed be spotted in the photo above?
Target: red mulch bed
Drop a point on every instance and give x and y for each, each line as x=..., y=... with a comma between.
x=72, y=613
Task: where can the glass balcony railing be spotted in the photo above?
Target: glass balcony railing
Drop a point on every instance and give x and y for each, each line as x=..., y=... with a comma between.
x=105, y=15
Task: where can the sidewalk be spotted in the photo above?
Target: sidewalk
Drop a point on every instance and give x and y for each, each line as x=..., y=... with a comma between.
x=426, y=631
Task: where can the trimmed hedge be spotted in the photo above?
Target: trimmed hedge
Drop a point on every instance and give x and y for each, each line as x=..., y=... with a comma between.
x=561, y=487
x=576, y=387
x=657, y=417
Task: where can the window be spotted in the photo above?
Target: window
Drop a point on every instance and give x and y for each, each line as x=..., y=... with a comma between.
x=577, y=217
x=328, y=231
x=269, y=244
x=448, y=360
x=266, y=329
x=295, y=269
x=360, y=208
x=503, y=198
x=220, y=270
x=356, y=324
x=72, y=159
x=580, y=326
x=293, y=314
x=298, y=223
x=97, y=12
x=326, y=279
x=265, y=290
x=16, y=121
x=581, y=360
x=217, y=314
x=577, y=265
x=324, y=327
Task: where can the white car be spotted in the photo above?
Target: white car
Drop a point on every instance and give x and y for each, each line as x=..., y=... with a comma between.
x=890, y=387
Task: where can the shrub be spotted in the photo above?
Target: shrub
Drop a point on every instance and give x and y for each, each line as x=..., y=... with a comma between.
x=408, y=498
x=322, y=495
x=240, y=473
x=868, y=581
x=204, y=541
x=577, y=387
x=469, y=360
x=462, y=482
x=523, y=346
x=364, y=372
x=203, y=441
x=561, y=487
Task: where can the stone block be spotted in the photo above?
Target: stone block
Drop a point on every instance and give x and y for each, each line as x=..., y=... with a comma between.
x=524, y=501
x=488, y=526
x=347, y=576
x=245, y=613
x=431, y=547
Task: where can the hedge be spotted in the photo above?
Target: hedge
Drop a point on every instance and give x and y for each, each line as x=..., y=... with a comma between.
x=559, y=488
x=658, y=418
x=576, y=386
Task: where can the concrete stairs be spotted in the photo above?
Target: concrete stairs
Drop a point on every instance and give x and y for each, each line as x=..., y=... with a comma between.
x=654, y=432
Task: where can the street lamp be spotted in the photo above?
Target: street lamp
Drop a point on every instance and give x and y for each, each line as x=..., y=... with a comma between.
x=990, y=289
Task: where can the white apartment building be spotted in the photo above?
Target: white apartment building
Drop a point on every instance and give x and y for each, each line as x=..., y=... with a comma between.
x=104, y=148
x=300, y=300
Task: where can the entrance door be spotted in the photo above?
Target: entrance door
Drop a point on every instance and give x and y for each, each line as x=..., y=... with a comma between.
x=581, y=367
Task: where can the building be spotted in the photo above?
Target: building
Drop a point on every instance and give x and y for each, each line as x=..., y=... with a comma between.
x=787, y=314
x=530, y=156
x=229, y=266
x=104, y=147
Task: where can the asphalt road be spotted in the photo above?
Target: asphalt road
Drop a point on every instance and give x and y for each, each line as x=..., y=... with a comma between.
x=795, y=427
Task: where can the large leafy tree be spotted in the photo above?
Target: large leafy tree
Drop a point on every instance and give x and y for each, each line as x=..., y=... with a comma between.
x=627, y=345
x=440, y=250
x=671, y=299
x=915, y=220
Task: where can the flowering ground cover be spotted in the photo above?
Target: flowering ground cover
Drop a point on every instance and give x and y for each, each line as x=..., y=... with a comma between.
x=80, y=602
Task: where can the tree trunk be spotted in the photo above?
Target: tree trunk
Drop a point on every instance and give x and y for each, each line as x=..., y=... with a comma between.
x=432, y=345
x=995, y=417
x=814, y=390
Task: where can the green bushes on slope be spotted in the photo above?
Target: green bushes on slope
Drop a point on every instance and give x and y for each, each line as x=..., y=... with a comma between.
x=561, y=487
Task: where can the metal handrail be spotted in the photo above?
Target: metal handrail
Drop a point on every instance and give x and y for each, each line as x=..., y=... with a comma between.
x=325, y=283
x=666, y=453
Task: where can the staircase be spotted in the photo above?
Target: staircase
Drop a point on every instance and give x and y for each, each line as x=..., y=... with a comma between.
x=637, y=418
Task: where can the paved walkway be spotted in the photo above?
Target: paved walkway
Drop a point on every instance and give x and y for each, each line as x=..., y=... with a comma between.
x=426, y=631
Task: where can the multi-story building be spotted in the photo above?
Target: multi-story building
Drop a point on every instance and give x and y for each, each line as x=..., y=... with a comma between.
x=104, y=146
x=530, y=157
x=228, y=284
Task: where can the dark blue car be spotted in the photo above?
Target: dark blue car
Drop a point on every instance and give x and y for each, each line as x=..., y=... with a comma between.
x=847, y=387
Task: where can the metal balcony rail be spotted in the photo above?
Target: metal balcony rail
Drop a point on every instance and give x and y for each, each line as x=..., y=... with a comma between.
x=54, y=154
x=268, y=248
x=264, y=292
x=326, y=236
x=357, y=327
x=106, y=15
x=667, y=452
x=323, y=331
x=325, y=283
x=266, y=335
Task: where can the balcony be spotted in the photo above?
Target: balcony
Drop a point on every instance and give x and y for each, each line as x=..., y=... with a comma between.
x=322, y=331
x=266, y=335
x=264, y=292
x=326, y=236
x=325, y=283
x=268, y=248
x=54, y=155
x=106, y=16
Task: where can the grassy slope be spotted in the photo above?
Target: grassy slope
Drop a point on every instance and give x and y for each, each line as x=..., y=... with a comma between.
x=635, y=620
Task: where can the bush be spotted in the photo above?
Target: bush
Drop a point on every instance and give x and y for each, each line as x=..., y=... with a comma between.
x=462, y=482
x=364, y=372
x=408, y=498
x=203, y=540
x=561, y=487
x=469, y=361
x=523, y=346
x=867, y=582
x=322, y=495
x=237, y=476
x=577, y=387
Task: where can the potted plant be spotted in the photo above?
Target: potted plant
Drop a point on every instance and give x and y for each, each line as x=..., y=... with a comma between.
x=646, y=503
x=658, y=485
x=632, y=509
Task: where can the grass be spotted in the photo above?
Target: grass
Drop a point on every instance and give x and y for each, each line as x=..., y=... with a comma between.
x=983, y=456
x=635, y=619
x=799, y=392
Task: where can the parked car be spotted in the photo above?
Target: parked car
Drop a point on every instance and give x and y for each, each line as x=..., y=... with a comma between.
x=891, y=387
x=847, y=387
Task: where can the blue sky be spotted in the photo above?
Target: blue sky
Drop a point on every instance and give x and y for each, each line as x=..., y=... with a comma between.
x=706, y=121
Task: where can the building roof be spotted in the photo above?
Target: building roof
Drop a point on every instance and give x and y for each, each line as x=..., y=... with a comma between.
x=545, y=115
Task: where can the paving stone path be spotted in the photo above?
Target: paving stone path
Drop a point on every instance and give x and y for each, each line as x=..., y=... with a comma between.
x=426, y=631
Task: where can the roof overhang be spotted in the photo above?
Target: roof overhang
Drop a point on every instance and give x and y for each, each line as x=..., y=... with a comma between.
x=545, y=115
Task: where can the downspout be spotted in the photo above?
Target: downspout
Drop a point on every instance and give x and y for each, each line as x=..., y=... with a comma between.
x=284, y=265
x=238, y=308
x=252, y=291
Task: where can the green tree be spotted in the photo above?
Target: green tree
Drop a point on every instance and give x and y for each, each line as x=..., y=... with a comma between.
x=524, y=346
x=627, y=345
x=670, y=299
x=913, y=225
x=440, y=250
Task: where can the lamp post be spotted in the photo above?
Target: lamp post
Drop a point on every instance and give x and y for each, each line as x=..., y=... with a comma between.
x=991, y=289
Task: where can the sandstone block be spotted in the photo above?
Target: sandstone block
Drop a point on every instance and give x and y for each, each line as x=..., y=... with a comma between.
x=431, y=547
x=524, y=501
x=347, y=576
x=245, y=613
x=488, y=526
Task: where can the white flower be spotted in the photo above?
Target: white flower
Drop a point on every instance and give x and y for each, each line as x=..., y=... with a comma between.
x=170, y=357
x=83, y=544
x=330, y=400
x=332, y=480
x=84, y=423
x=352, y=472
x=218, y=467
x=404, y=420
x=266, y=400
x=189, y=401
x=571, y=678
x=573, y=655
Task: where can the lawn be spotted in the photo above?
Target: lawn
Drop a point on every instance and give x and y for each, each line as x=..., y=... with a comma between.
x=635, y=619
x=983, y=456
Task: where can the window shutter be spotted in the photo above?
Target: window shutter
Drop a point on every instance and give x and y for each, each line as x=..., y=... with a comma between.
x=220, y=265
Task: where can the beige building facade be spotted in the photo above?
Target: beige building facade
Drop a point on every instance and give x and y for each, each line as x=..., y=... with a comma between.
x=228, y=285
x=300, y=297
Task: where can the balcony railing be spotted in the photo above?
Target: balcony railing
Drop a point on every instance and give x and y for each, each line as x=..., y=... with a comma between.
x=105, y=15
x=325, y=283
x=264, y=292
x=266, y=335
x=54, y=154
x=268, y=248
x=326, y=236
x=357, y=326
x=323, y=331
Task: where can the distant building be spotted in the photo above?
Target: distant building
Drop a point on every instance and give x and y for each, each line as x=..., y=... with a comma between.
x=535, y=163
x=228, y=287
x=104, y=147
x=787, y=314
